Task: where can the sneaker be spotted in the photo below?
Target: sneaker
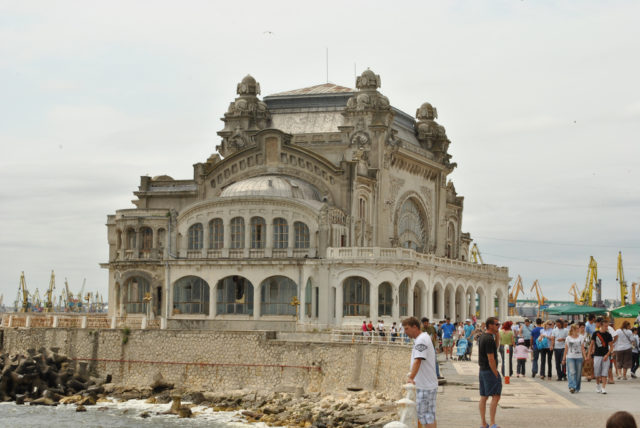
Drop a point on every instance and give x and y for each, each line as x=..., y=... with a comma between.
x=603, y=391
x=571, y=390
x=633, y=375
x=598, y=388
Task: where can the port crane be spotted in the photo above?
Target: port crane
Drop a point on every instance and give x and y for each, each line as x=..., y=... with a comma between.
x=48, y=306
x=513, y=295
x=586, y=298
x=573, y=291
x=22, y=289
x=475, y=255
x=542, y=301
x=620, y=279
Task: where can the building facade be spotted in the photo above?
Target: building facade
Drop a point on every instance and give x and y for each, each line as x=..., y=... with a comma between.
x=322, y=207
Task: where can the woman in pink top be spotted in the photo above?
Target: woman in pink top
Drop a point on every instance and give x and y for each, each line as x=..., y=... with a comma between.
x=522, y=353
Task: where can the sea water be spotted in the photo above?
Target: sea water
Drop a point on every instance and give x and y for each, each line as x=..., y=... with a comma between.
x=114, y=415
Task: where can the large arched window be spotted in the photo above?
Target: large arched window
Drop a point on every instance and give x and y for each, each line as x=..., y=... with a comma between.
x=411, y=226
x=131, y=239
x=355, y=296
x=385, y=299
x=216, y=234
x=258, y=228
x=195, y=237
x=137, y=288
x=147, y=238
x=301, y=235
x=276, y=294
x=234, y=296
x=237, y=232
x=403, y=294
x=191, y=296
x=280, y=233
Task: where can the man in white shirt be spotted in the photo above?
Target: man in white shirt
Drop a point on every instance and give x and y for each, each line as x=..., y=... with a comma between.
x=560, y=334
x=423, y=373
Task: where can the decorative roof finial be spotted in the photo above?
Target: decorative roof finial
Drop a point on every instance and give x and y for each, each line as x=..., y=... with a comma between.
x=248, y=86
x=368, y=80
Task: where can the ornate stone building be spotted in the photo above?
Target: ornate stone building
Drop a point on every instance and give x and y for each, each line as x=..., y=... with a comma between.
x=326, y=194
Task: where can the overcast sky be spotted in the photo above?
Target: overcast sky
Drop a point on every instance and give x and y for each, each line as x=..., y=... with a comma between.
x=540, y=100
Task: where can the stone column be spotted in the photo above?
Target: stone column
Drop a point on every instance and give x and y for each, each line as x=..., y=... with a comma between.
x=268, y=230
x=303, y=302
x=373, y=303
x=428, y=303
x=205, y=238
x=463, y=306
x=213, y=310
x=226, y=238
x=452, y=305
x=257, y=290
x=395, y=303
x=290, y=236
x=410, y=308
x=247, y=238
x=339, y=303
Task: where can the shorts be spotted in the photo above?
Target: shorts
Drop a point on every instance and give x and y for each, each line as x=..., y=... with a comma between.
x=447, y=342
x=600, y=367
x=490, y=384
x=426, y=405
x=624, y=359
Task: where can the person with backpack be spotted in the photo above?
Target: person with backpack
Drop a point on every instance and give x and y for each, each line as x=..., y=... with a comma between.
x=535, y=333
x=545, y=346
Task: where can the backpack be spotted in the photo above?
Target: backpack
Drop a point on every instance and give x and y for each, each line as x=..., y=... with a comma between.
x=543, y=342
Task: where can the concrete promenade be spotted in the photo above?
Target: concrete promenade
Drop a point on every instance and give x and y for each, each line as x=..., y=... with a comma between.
x=531, y=403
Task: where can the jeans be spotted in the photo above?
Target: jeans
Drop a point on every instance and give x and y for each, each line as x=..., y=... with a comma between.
x=510, y=359
x=634, y=362
x=545, y=357
x=522, y=363
x=560, y=368
x=534, y=362
x=574, y=372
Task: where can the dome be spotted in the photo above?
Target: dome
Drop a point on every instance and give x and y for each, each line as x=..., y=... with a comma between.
x=272, y=185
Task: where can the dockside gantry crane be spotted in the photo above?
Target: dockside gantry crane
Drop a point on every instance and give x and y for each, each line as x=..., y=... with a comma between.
x=475, y=255
x=586, y=298
x=48, y=306
x=623, y=283
x=573, y=291
x=25, y=294
x=513, y=295
x=542, y=301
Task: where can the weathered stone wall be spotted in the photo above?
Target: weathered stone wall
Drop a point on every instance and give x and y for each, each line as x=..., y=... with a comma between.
x=222, y=361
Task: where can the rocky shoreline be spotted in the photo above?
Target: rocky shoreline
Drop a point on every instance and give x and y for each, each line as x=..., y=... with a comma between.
x=48, y=378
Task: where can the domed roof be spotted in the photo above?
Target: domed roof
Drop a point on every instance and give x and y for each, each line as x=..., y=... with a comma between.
x=272, y=185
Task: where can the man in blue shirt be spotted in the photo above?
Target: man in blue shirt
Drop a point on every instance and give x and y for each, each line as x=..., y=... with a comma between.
x=468, y=331
x=535, y=333
x=590, y=326
x=447, y=338
x=525, y=332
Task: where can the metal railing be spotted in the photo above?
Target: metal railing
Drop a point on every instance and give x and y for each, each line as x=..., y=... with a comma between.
x=91, y=321
x=370, y=337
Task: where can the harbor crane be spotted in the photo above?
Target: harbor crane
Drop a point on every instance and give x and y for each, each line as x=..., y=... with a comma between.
x=22, y=288
x=513, y=295
x=620, y=279
x=573, y=291
x=475, y=255
x=542, y=301
x=36, y=304
x=586, y=298
x=48, y=306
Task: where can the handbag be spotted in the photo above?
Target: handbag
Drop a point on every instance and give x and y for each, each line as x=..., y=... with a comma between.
x=543, y=342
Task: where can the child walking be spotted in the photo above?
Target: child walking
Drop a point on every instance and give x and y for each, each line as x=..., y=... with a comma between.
x=522, y=353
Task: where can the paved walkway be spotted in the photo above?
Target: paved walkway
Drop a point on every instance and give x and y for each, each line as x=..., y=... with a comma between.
x=531, y=403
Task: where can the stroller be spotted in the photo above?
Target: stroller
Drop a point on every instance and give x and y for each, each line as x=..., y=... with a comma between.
x=461, y=349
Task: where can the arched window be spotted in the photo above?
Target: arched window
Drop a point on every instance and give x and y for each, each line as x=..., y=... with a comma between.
x=216, y=234
x=362, y=212
x=137, y=288
x=195, y=237
x=280, y=233
x=237, y=232
x=411, y=226
x=258, y=228
x=276, y=294
x=147, y=238
x=355, y=296
x=451, y=241
x=131, y=239
x=308, y=299
x=301, y=236
x=385, y=299
x=161, y=234
x=191, y=296
x=234, y=296
x=403, y=294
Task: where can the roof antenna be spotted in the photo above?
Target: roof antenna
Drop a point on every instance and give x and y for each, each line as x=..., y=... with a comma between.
x=327, y=61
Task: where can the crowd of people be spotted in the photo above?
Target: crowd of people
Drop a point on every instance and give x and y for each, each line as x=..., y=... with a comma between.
x=593, y=350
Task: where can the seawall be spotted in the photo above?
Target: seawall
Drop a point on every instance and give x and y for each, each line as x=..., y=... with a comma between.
x=221, y=361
